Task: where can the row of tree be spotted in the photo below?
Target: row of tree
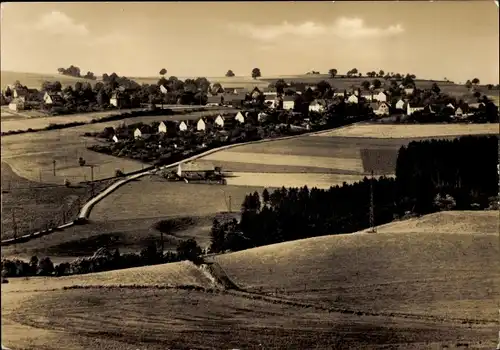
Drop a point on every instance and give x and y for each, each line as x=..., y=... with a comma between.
x=75, y=72
x=430, y=175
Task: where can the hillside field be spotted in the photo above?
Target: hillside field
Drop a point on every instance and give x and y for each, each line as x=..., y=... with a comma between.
x=442, y=265
x=30, y=206
x=430, y=282
x=35, y=80
x=30, y=155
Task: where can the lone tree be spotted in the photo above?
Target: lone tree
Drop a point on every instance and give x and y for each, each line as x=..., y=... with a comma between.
x=230, y=73
x=163, y=71
x=475, y=81
x=376, y=83
x=256, y=73
x=468, y=84
x=381, y=73
x=332, y=72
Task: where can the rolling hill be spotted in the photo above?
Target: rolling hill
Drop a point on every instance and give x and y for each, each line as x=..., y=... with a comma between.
x=35, y=80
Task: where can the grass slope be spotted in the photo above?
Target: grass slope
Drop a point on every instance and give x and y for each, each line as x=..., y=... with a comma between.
x=442, y=265
x=34, y=204
x=412, y=131
x=35, y=80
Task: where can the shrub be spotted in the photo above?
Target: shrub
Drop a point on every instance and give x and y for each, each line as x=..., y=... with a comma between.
x=45, y=267
x=119, y=173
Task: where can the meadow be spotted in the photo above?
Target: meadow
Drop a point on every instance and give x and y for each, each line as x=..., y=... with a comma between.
x=400, y=131
x=415, y=284
x=30, y=206
x=31, y=155
x=444, y=265
x=35, y=80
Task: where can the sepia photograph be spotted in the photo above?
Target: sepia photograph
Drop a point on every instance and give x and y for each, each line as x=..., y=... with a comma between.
x=250, y=175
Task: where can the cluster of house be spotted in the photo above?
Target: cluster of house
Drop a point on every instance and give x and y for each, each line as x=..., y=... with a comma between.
x=379, y=101
x=21, y=98
x=201, y=125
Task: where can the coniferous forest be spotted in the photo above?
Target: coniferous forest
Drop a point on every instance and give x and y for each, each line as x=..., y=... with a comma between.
x=431, y=175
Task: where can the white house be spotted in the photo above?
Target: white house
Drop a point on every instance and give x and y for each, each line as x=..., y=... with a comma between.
x=353, y=99
x=137, y=133
x=450, y=105
x=183, y=126
x=409, y=91
x=288, y=103
x=51, y=99
x=380, y=97
x=163, y=89
x=459, y=112
x=115, y=138
x=368, y=97
x=17, y=104
x=201, y=125
x=219, y=121
x=383, y=109
x=400, y=104
x=316, y=106
x=240, y=117
x=410, y=110
x=162, y=128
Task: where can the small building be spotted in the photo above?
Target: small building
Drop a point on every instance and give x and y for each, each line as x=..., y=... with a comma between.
x=409, y=91
x=115, y=139
x=382, y=109
x=368, y=97
x=215, y=100
x=17, y=104
x=193, y=168
x=163, y=89
x=380, y=97
x=201, y=125
x=400, y=104
x=412, y=109
x=19, y=93
x=240, y=117
x=117, y=99
x=353, y=99
x=183, y=126
x=167, y=127
x=450, y=105
x=52, y=99
x=459, y=112
x=317, y=106
x=255, y=93
x=288, y=102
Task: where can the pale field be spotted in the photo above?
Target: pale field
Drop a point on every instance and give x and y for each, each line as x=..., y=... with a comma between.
x=276, y=180
x=417, y=286
x=31, y=154
x=443, y=265
x=412, y=131
x=246, y=82
x=151, y=197
x=35, y=80
x=162, y=319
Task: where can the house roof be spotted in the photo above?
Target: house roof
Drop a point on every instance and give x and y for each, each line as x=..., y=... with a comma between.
x=197, y=166
x=55, y=97
x=235, y=97
x=20, y=92
x=213, y=99
x=288, y=98
x=271, y=97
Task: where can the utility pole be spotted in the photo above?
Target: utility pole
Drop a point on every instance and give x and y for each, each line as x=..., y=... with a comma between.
x=40, y=175
x=372, y=205
x=91, y=179
x=230, y=204
x=54, y=167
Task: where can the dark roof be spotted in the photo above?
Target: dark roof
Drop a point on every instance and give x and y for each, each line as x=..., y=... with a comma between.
x=213, y=99
x=288, y=98
x=235, y=97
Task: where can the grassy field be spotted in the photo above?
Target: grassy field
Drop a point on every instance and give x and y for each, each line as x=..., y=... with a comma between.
x=31, y=155
x=424, y=283
x=35, y=80
x=119, y=222
x=412, y=131
x=443, y=265
x=33, y=205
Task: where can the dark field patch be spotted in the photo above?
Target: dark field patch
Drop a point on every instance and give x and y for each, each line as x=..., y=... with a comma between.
x=380, y=161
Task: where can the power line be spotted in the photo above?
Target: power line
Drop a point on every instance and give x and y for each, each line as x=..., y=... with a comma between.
x=372, y=206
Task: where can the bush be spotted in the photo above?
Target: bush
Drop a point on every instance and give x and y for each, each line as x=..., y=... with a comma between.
x=119, y=173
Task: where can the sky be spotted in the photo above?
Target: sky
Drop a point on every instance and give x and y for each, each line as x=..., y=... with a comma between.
x=458, y=40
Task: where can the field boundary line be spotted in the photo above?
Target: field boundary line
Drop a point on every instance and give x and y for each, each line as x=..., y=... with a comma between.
x=88, y=206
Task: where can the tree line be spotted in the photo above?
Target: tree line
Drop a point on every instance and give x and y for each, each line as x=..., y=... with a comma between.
x=430, y=175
